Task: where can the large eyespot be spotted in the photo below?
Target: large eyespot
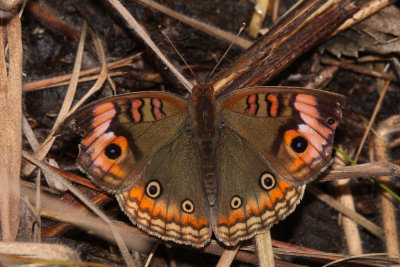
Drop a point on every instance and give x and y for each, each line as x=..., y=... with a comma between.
x=267, y=181
x=299, y=144
x=153, y=189
x=188, y=206
x=330, y=121
x=113, y=151
x=236, y=202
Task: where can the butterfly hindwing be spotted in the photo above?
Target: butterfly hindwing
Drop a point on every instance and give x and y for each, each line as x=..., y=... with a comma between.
x=167, y=201
x=291, y=128
x=121, y=134
x=251, y=198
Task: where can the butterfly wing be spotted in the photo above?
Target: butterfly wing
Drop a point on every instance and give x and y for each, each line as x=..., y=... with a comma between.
x=251, y=198
x=167, y=201
x=291, y=128
x=121, y=134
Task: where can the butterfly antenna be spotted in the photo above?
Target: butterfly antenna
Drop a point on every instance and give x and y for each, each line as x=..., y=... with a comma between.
x=180, y=55
x=227, y=50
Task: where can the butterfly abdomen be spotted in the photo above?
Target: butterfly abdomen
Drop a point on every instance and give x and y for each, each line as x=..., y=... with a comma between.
x=204, y=121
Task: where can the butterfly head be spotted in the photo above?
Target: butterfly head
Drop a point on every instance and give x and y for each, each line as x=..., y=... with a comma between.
x=203, y=89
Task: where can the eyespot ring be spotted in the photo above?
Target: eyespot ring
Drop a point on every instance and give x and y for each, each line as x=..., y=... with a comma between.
x=187, y=206
x=267, y=181
x=236, y=202
x=153, y=189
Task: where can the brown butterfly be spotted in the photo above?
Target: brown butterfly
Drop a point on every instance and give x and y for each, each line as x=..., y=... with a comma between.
x=232, y=165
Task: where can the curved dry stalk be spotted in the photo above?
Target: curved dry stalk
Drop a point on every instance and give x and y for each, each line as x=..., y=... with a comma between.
x=382, y=141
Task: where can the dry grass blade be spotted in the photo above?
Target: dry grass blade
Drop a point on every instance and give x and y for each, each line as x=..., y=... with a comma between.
x=361, y=220
x=53, y=208
x=146, y=38
x=372, y=120
x=63, y=80
x=365, y=256
x=10, y=120
x=102, y=76
x=209, y=29
x=118, y=239
x=45, y=147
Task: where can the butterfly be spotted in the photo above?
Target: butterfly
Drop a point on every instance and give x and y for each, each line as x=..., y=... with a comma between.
x=231, y=165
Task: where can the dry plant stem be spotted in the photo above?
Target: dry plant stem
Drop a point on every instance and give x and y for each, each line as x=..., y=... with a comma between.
x=11, y=132
x=38, y=225
x=310, y=22
x=345, y=197
x=260, y=11
x=366, y=170
x=82, y=197
x=60, y=80
x=361, y=220
x=382, y=140
x=146, y=38
x=41, y=153
x=228, y=256
x=265, y=253
x=45, y=147
x=214, y=31
x=358, y=69
x=365, y=11
x=371, y=121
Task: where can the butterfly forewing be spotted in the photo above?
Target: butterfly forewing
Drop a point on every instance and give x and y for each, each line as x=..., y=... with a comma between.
x=121, y=134
x=292, y=129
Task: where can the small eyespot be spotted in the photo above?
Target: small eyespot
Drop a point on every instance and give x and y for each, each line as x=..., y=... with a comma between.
x=188, y=206
x=153, y=189
x=236, y=202
x=113, y=151
x=299, y=144
x=267, y=181
x=330, y=121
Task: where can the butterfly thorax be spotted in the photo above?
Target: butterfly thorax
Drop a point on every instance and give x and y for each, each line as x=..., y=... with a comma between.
x=204, y=123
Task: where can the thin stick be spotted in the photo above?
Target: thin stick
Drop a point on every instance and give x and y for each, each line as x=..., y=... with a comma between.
x=146, y=38
x=214, y=31
x=372, y=120
x=361, y=220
